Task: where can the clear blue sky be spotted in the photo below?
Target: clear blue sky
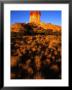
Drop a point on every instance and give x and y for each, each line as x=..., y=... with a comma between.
x=53, y=17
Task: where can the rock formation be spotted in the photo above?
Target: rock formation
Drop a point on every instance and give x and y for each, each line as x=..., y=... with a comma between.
x=35, y=16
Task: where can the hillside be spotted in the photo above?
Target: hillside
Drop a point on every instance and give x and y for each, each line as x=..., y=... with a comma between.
x=35, y=51
x=32, y=28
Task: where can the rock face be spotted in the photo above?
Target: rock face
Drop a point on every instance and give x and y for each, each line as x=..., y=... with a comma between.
x=35, y=17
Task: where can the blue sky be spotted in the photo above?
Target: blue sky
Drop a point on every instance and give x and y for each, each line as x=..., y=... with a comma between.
x=53, y=17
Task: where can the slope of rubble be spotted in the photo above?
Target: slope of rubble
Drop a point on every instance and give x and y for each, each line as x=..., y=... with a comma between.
x=35, y=53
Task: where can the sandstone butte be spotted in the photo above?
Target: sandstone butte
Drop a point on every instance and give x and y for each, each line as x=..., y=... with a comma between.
x=35, y=19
